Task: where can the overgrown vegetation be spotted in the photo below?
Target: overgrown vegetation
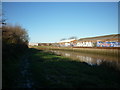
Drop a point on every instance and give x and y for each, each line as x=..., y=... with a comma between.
x=14, y=38
x=96, y=51
x=14, y=43
x=52, y=71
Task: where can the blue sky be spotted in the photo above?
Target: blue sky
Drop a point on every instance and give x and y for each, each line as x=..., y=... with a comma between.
x=52, y=21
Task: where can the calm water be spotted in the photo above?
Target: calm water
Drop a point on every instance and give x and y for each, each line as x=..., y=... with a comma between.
x=91, y=59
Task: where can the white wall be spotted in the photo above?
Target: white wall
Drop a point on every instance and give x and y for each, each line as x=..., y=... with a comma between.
x=67, y=44
x=85, y=44
x=33, y=44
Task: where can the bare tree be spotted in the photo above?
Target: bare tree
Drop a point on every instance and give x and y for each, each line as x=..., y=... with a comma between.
x=63, y=39
x=73, y=37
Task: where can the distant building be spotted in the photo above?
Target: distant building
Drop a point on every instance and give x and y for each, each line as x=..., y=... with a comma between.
x=45, y=44
x=100, y=41
x=66, y=43
x=33, y=44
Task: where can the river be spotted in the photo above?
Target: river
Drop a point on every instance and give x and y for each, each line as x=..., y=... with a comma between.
x=91, y=59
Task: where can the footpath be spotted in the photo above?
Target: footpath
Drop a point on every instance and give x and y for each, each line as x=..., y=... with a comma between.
x=24, y=80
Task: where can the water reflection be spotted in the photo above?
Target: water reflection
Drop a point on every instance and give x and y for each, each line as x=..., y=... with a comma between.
x=91, y=59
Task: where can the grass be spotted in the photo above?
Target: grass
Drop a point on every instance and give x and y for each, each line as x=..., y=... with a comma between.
x=52, y=71
x=11, y=69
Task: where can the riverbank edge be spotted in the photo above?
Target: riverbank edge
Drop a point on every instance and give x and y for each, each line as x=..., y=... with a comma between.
x=49, y=69
x=96, y=51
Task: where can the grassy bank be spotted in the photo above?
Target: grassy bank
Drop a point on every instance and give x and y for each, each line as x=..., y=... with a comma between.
x=108, y=52
x=52, y=71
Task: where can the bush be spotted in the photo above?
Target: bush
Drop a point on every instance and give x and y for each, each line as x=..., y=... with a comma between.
x=14, y=40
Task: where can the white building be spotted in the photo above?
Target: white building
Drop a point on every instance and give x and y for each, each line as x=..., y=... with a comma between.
x=33, y=44
x=66, y=42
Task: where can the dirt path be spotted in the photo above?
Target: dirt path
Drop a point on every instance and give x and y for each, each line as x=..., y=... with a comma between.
x=24, y=80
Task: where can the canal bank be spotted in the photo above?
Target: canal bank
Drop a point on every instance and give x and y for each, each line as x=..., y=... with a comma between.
x=97, y=51
x=55, y=71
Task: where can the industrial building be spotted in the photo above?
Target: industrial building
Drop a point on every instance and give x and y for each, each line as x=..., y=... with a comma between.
x=66, y=43
x=100, y=41
x=33, y=44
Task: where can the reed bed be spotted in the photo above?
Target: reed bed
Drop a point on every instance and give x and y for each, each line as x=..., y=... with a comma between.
x=108, y=52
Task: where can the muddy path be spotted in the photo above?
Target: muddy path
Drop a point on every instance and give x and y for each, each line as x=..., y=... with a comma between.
x=24, y=79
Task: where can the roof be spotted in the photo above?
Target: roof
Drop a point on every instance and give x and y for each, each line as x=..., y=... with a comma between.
x=113, y=36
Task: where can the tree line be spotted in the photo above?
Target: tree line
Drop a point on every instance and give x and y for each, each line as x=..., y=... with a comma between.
x=73, y=37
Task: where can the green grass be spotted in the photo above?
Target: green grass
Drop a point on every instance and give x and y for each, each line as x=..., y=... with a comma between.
x=52, y=71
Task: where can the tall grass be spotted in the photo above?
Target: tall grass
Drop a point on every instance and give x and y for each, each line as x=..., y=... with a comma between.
x=108, y=52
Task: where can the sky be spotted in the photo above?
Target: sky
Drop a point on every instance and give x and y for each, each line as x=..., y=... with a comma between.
x=49, y=22
x=60, y=0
